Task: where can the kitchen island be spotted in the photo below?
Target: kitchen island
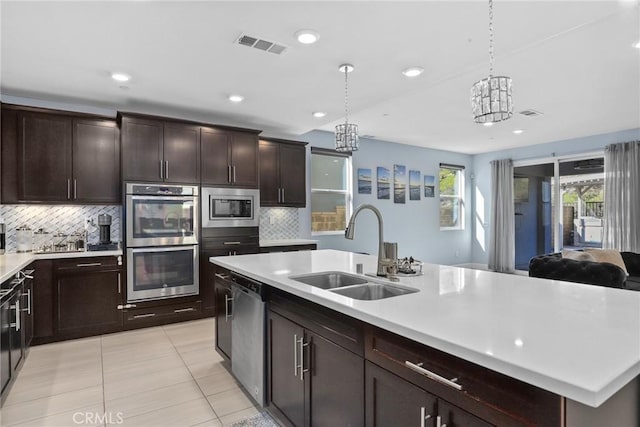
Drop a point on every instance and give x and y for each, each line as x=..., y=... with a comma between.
x=578, y=342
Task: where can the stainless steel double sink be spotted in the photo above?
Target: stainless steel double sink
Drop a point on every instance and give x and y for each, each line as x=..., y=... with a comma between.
x=352, y=286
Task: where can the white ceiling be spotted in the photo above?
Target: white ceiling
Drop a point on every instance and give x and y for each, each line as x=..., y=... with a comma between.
x=571, y=60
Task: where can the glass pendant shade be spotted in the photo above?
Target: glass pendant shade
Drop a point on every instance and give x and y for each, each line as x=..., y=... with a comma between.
x=491, y=99
x=347, y=137
x=346, y=133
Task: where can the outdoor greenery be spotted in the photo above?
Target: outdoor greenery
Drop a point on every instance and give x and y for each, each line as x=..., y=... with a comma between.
x=595, y=194
x=448, y=181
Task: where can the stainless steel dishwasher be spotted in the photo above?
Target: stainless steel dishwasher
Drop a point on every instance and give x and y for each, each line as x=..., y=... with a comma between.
x=248, y=331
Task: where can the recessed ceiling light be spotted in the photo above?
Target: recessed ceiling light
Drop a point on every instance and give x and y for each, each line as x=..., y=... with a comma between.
x=236, y=98
x=487, y=124
x=120, y=77
x=637, y=45
x=413, y=71
x=319, y=114
x=518, y=131
x=307, y=36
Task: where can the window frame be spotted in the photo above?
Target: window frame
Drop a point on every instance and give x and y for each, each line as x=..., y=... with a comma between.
x=347, y=192
x=459, y=189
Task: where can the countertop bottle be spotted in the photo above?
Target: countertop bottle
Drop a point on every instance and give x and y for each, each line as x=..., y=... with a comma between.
x=3, y=236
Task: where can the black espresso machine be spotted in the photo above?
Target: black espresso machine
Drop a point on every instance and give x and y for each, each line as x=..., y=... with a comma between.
x=105, y=244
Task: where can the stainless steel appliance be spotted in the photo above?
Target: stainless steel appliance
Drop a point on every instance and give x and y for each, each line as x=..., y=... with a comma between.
x=159, y=215
x=248, y=332
x=162, y=272
x=230, y=207
x=162, y=241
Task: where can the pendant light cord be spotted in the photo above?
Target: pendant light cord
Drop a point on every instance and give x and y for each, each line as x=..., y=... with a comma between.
x=346, y=96
x=490, y=38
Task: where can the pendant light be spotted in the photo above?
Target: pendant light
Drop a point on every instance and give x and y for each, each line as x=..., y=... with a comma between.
x=347, y=133
x=491, y=97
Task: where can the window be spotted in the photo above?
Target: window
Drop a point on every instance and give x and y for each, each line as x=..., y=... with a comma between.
x=451, y=197
x=330, y=191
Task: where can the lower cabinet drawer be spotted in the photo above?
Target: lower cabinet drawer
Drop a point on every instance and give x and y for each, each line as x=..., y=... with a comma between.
x=494, y=397
x=162, y=314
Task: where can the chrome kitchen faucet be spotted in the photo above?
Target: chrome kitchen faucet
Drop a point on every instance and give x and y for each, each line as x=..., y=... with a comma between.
x=384, y=264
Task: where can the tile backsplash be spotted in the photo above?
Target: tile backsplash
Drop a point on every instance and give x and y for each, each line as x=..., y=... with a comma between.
x=56, y=218
x=279, y=223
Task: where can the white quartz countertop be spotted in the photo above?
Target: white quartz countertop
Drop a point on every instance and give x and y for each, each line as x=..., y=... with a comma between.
x=10, y=264
x=287, y=242
x=578, y=341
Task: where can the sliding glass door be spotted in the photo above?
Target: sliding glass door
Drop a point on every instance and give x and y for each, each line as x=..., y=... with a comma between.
x=558, y=203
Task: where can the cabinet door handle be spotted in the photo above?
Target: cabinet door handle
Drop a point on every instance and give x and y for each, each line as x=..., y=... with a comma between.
x=439, y=422
x=69, y=189
x=141, y=316
x=227, y=315
x=295, y=355
x=121, y=307
x=282, y=194
x=166, y=169
x=183, y=310
x=424, y=416
x=161, y=170
x=234, y=173
x=231, y=243
x=119, y=284
x=222, y=276
x=90, y=264
x=302, y=345
x=28, y=301
x=75, y=188
x=229, y=173
x=432, y=375
x=16, y=307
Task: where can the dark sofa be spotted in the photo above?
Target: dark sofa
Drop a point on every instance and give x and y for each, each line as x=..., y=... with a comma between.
x=553, y=266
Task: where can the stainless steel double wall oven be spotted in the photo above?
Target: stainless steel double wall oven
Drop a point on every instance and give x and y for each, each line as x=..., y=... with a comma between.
x=162, y=241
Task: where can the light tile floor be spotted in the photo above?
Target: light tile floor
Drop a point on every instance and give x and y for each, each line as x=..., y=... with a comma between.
x=164, y=376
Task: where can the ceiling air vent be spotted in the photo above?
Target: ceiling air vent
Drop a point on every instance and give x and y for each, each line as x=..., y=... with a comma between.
x=261, y=44
x=530, y=113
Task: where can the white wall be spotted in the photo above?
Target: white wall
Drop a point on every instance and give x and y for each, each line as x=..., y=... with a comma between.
x=414, y=225
x=482, y=171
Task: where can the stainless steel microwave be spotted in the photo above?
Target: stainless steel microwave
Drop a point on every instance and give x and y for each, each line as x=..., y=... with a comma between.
x=230, y=207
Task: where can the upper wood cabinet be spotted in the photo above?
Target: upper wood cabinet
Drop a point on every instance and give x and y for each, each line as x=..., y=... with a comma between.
x=229, y=158
x=96, y=161
x=159, y=151
x=57, y=157
x=282, y=173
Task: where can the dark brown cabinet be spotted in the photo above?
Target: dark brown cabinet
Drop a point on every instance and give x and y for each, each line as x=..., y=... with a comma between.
x=393, y=401
x=390, y=400
x=16, y=319
x=44, y=157
x=159, y=151
x=43, y=301
x=224, y=312
x=59, y=157
x=287, y=392
x=88, y=293
x=229, y=158
x=96, y=161
x=314, y=381
x=282, y=173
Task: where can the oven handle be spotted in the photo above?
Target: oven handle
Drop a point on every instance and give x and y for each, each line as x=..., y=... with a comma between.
x=152, y=198
x=193, y=248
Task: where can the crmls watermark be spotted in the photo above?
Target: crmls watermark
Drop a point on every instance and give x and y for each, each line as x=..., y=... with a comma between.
x=91, y=418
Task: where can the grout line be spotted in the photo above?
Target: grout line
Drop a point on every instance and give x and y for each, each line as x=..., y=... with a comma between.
x=191, y=374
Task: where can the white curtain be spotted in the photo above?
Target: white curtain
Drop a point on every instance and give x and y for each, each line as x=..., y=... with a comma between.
x=622, y=197
x=502, y=241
